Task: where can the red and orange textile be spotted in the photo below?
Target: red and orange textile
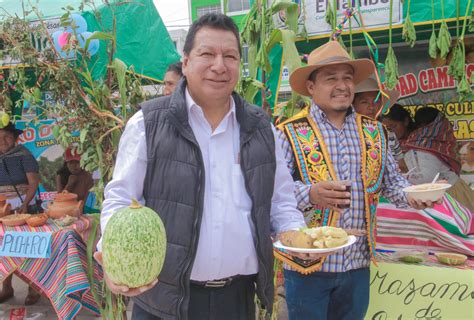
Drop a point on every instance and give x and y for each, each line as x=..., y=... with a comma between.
x=437, y=138
x=62, y=277
x=446, y=227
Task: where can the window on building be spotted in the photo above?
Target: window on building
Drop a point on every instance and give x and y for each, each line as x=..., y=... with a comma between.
x=237, y=5
x=208, y=9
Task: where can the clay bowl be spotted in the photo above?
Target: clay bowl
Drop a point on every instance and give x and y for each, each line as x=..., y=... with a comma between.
x=14, y=220
x=37, y=220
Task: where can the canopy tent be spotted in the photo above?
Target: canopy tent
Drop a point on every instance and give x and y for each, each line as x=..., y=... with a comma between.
x=142, y=40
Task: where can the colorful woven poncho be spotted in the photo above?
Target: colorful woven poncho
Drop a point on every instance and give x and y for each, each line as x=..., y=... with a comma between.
x=437, y=138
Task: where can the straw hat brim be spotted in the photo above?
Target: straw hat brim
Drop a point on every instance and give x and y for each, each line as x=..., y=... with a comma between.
x=363, y=68
x=393, y=96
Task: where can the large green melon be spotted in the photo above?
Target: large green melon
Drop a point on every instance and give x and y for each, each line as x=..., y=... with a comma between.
x=134, y=246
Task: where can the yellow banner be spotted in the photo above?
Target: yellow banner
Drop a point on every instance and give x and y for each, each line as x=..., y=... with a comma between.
x=408, y=292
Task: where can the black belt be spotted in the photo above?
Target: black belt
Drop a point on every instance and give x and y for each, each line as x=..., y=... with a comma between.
x=221, y=283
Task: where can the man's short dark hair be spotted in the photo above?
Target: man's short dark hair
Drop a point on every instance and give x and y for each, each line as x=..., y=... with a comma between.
x=312, y=75
x=217, y=21
x=176, y=67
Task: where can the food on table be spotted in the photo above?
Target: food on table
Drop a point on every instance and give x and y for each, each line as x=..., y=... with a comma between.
x=452, y=259
x=411, y=259
x=427, y=191
x=134, y=246
x=296, y=239
x=37, y=220
x=319, y=237
x=13, y=220
x=65, y=221
x=411, y=256
x=428, y=186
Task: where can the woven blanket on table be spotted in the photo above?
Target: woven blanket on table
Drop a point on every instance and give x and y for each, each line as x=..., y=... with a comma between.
x=62, y=277
x=446, y=227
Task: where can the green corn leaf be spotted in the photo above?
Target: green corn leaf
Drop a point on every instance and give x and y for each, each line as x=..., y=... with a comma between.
x=391, y=69
x=464, y=89
x=273, y=39
x=409, y=32
x=471, y=22
x=444, y=40
x=277, y=6
x=120, y=70
x=433, y=48
x=290, y=53
x=456, y=66
x=329, y=17
x=100, y=36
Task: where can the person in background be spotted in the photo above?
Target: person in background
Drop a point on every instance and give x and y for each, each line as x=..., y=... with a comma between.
x=467, y=156
x=72, y=178
x=19, y=180
x=432, y=148
x=325, y=146
x=173, y=74
x=368, y=100
x=399, y=121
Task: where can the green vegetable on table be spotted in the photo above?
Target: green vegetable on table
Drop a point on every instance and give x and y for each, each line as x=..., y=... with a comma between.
x=411, y=259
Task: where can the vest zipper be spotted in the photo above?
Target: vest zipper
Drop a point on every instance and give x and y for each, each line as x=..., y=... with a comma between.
x=192, y=252
x=257, y=244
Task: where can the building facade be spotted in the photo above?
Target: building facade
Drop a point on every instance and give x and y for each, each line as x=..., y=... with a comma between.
x=235, y=8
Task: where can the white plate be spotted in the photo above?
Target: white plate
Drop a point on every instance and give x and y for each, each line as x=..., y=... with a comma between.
x=351, y=240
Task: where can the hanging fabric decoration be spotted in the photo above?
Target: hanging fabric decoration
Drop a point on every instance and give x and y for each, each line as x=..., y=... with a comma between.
x=433, y=48
x=346, y=16
x=444, y=37
x=408, y=31
x=391, y=63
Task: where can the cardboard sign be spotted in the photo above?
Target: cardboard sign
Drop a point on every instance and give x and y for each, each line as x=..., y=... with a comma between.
x=26, y=244
x=400, y=291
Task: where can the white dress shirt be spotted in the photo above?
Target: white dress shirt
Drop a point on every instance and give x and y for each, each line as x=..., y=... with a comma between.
x=226, y=245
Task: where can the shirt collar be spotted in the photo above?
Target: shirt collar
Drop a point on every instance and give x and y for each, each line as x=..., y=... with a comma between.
x=319, y=114
x=192, y=105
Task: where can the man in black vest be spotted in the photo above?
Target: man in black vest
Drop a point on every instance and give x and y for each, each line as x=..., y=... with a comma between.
x=210, y=164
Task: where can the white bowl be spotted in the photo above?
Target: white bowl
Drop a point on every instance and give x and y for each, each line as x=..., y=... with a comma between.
x=427, y=191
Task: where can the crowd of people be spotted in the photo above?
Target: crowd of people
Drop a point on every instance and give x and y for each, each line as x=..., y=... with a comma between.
x=216, y=170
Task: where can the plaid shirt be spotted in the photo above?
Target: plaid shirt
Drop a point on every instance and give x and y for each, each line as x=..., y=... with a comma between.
x=344, y=150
